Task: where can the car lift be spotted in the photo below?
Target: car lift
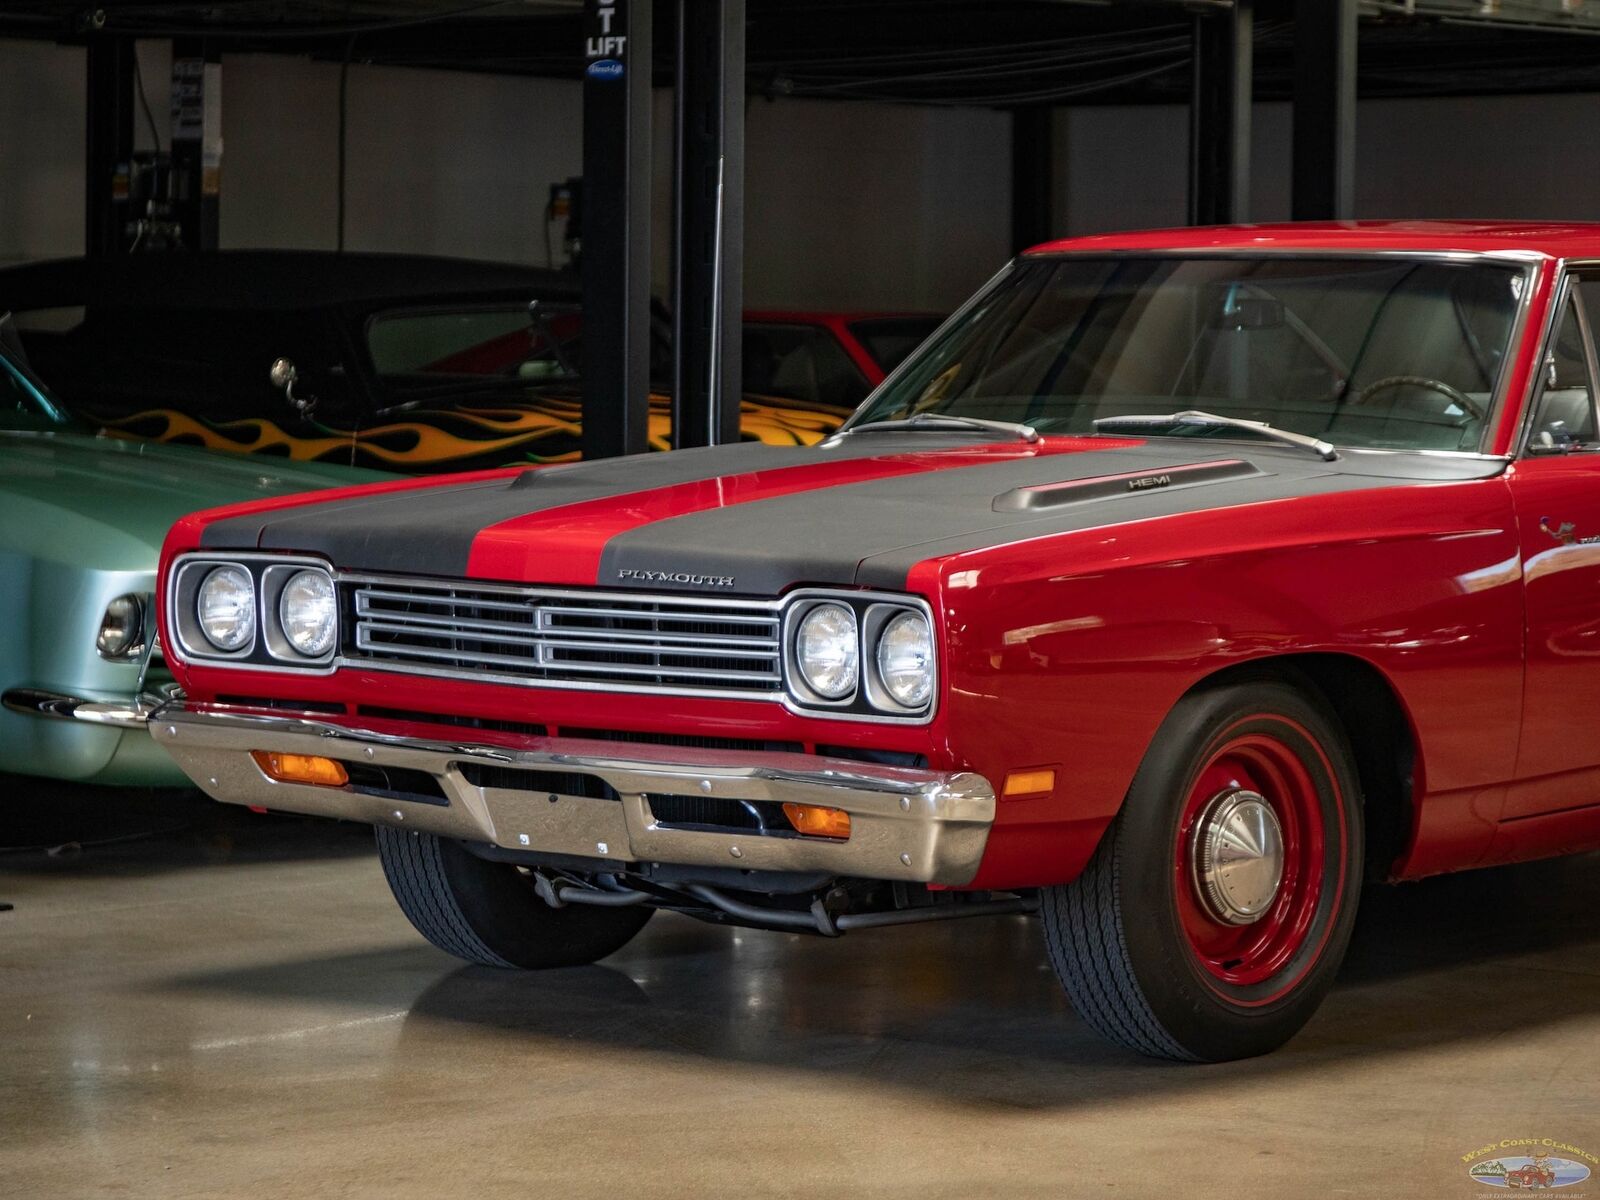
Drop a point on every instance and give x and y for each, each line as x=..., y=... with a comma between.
x=708, y=223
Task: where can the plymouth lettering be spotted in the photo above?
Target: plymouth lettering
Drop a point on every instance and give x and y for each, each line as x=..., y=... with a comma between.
x=680, y=577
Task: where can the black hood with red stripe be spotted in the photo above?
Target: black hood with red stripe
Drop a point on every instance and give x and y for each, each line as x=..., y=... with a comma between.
x=755, y=519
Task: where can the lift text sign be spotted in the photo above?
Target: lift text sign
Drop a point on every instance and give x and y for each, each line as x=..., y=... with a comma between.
x=606, y=42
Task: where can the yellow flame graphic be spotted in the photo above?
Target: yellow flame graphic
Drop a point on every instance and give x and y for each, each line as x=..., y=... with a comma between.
x=504, y=429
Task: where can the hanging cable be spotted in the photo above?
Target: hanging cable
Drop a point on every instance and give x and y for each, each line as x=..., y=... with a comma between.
x=144, y=102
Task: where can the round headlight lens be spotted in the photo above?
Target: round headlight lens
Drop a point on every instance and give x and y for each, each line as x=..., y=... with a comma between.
x=905, y=659
x=825, y=648
x=122, y=628
x=226, y=608
x=309, y=614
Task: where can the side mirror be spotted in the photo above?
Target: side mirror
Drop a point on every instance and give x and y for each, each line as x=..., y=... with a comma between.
x=284, y=375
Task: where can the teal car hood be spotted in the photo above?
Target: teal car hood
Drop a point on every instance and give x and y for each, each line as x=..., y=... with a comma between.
x=107, y=503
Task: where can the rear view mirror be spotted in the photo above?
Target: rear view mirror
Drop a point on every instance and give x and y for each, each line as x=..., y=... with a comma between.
x=1248, y=312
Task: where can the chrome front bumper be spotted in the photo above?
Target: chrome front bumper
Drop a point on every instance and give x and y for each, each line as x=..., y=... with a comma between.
x=132, y=713
x=912, y=825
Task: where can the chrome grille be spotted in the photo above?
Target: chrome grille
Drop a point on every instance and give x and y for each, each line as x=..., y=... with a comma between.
x=616, y=641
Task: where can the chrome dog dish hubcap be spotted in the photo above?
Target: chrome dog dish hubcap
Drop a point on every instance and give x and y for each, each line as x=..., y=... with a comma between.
x=1237, y=855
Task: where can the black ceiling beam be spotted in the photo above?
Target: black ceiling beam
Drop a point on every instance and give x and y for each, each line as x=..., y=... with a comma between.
x=930, y=51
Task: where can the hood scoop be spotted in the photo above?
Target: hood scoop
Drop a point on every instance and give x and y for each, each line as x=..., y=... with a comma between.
x=1045, y=496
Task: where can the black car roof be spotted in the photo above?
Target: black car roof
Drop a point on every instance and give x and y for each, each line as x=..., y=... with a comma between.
x=270, y=280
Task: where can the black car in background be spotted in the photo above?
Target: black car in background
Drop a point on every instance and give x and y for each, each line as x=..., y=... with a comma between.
x=404, y=363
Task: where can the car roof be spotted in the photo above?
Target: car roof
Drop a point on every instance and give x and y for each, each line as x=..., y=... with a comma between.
x=269, y=280
x=1535, y=238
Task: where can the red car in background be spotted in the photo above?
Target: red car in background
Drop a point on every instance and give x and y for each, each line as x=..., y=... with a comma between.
x=828, y=358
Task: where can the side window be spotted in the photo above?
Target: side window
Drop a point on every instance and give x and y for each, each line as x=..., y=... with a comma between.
x=1565, y=419
x=800, y=362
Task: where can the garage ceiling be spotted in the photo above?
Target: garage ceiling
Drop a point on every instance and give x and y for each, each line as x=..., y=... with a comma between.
x=999, y=54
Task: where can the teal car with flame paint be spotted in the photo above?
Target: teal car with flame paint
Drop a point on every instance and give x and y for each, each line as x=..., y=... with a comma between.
x=82, y=517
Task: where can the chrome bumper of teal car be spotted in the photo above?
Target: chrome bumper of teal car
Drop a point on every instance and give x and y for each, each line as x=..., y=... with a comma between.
x=596, y=799
x=133, y=713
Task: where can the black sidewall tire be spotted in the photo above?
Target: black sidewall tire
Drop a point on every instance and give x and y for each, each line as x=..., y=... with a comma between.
x=488, y=912
x=1188, y=1002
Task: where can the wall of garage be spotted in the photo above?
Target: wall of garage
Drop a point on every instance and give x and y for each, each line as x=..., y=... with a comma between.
x=1514, y=157
x=873, y=211
x=41, y=155
x=850, y=205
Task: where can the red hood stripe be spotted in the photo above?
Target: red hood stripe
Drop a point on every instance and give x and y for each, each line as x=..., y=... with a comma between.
x=563, y=545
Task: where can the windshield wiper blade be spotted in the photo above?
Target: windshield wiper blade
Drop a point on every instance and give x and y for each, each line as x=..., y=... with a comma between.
x=1193, y=416
x=945, y=421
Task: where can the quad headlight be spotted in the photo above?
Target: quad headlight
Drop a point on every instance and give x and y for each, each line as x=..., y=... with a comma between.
x=828, y=652
x=308, y=613
x=905, y=659
x=860, y=655
x=226, y=608
x=256, y=611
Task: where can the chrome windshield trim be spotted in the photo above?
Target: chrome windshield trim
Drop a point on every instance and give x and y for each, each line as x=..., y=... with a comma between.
x=949, y=324
x=1567, y=271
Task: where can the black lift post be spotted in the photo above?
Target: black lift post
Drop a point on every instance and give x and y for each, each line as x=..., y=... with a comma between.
x=1219, y=116
x=1324, y=166
x=708, y=223
x=615, y=260
x=108, y=143
x=1032, y=175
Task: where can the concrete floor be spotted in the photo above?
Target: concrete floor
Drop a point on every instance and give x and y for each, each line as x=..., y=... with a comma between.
x=235, y=1007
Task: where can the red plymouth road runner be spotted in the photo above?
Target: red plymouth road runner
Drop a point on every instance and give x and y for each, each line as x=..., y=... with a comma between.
x=1181, y=583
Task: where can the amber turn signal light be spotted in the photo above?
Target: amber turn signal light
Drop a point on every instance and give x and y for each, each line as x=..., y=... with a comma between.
x=818, y=822
x=301, y=768
x=1030, y=783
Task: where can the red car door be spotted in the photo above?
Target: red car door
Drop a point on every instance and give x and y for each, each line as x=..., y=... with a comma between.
x=1555, y=487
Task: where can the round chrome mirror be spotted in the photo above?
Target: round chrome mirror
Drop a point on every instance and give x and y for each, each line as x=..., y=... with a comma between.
x=283, y=373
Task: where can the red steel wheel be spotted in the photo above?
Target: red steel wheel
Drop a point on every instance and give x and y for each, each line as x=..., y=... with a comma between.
x=1214, y=916
x=1250, y=855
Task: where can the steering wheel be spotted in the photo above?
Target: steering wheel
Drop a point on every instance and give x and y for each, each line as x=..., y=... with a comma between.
x=1390, y=382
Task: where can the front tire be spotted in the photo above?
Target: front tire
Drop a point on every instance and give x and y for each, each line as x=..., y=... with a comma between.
x=1213, y=917
x=488, y=913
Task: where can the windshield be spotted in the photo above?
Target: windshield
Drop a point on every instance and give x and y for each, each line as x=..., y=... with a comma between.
x=416, y=348
x=24, y=400
x=1366, y=352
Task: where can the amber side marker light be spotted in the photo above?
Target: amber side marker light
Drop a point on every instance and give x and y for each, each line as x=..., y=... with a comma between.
x=1029, y=783
x=813, y=821
x=301, y=768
